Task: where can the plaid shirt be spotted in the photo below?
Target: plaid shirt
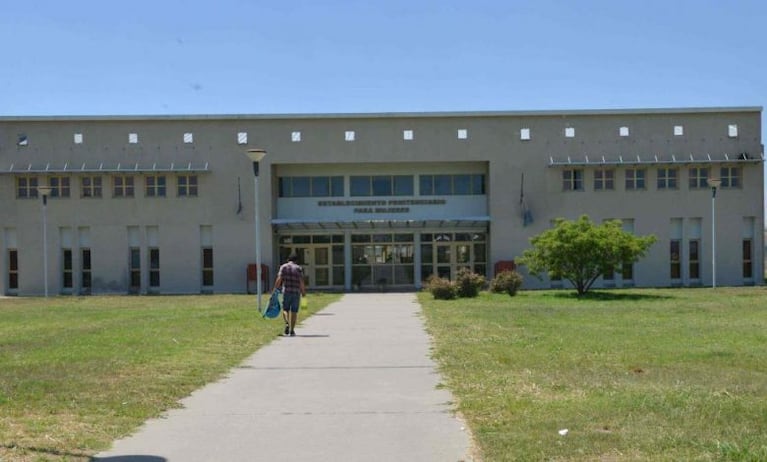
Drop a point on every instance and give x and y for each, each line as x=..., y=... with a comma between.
x=291, y=275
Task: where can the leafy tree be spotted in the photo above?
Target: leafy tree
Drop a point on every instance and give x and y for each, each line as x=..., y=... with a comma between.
x=580, y=251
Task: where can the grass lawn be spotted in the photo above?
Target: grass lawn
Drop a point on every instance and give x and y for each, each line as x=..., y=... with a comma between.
x=78, y=372
x=633, y=375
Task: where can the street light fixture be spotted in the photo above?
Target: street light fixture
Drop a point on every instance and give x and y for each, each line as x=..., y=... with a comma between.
x=256, y=155
x=714, y=183
x=45, y=191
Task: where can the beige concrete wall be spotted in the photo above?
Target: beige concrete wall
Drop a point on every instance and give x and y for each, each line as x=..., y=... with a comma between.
x=493, y=142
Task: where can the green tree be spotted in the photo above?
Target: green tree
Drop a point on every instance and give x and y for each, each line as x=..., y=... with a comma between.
x=580, y=251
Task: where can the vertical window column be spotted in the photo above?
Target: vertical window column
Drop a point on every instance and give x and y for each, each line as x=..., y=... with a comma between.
x=153, y=248
x=747, y=248
x=206, y=249
x=12, y=256
x=86, y=277
x=627, y=272
x=693, y=250
x=67, y=282
x=134, y=260
x=675, y=251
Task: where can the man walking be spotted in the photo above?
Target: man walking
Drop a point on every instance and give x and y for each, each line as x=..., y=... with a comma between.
x=290, y=278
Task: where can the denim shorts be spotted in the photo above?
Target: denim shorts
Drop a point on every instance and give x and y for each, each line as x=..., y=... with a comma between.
x=291, y=302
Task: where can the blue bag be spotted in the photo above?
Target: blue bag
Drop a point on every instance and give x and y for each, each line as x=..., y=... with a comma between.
x=273, y=307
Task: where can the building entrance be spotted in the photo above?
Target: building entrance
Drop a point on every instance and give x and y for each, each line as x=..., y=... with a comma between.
x=320, y=256
x=444, y=254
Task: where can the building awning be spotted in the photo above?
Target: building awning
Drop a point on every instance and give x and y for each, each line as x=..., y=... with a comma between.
x=282, y=224
x=119, y=168
x=596, y=161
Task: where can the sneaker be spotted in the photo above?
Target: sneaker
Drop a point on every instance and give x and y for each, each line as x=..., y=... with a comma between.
x=292, y=333
x=287, y=330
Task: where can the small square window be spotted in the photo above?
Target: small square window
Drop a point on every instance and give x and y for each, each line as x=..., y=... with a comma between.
x=349, y=135
x=242, y=138
x=678, y=130
x=570, y=132
x=463, y=134
x=296, y=137
x=132, y=138
x=407, y=135
x=524, y=134
x=78, y=138
x=188, y=138
x=732, y=131
x=623, y=131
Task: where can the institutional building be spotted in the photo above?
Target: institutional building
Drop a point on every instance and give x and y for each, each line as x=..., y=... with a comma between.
x=166, y=204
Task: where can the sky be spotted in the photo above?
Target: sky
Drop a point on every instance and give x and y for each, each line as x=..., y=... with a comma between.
x=101, y=57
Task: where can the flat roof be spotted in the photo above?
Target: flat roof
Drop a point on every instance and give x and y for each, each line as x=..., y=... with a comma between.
x=384, y=115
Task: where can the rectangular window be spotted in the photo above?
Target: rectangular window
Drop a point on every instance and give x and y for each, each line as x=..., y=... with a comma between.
x=403, y=185
x=135, y=269
x=13, y=269
x=635, y=178
x=86, y=280
x=123, y=186
x=360, y=186
x=207, y=266
x=187, y=186
x=698, y=177
x=90, y=186
x=627, y=272
x=451, y=185
x=604, y=180
x=59, y=186
x=732, y=130
x=154, y=267
x=572, y=179
x=382, y=185
x=667, y=178
x=316, y=186
x=694, y=246
x=155, y=185
x=730, y=177
x=66, y=268
x=26, y=187
x=748, y=271
x=675, y=258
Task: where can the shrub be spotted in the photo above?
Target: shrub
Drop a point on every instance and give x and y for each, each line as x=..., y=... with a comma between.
x=468, y=283
x=506, y=281
x=441, y=289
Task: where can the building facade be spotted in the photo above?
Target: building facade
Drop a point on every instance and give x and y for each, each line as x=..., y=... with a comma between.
x=166, y=204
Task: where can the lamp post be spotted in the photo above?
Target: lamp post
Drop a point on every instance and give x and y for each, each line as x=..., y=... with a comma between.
x=45, y=191
x=256, y=155
x=713, y=183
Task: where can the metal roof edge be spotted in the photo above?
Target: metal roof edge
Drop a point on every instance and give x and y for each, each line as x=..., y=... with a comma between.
x=384, y=115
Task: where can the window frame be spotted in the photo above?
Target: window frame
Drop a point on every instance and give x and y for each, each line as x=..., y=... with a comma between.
x=152, y=186
x=666, y=181
x=31, y=183
x=572, y=179
x=636, y=179
x=92, y=190
x=604, y=179
x=187, y=185
x=126, y=187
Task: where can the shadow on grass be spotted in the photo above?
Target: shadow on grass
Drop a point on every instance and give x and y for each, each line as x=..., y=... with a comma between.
x=608, y=296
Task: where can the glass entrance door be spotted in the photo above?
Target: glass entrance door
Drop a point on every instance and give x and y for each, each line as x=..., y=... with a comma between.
x=444, y=254
x=321, y=257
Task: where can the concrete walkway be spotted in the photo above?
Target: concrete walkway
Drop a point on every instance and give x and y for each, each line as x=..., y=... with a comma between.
x=355, y=384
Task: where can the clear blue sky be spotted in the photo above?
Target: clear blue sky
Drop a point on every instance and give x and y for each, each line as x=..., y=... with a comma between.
x=250, y=56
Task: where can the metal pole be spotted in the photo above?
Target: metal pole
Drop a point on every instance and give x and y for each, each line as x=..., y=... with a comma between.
x=258, y=235
x=713, y=237
x=45, y=244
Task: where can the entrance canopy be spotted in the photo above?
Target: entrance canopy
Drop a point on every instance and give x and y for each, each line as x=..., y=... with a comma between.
x=281, y=224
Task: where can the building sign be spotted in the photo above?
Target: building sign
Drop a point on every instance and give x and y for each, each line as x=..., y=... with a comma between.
x=381, y=206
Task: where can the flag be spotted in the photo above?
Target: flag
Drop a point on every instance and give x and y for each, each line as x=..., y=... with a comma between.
x=527, y=216
x=22, y=141
x=239, y=197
